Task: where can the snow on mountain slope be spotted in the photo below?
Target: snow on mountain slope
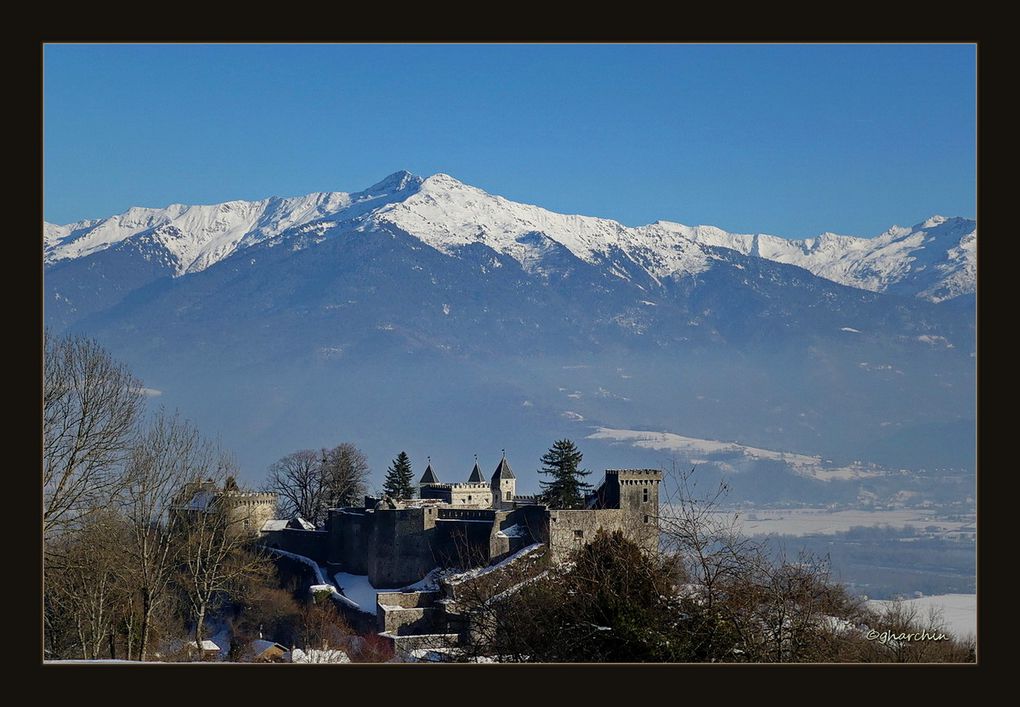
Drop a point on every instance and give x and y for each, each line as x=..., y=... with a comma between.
x=935, y=260
x=196, y=237
x=448, y=214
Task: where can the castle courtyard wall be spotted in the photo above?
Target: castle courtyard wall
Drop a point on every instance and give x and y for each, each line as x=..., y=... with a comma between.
x=313, y=544
x=571, y=529
x=401, y=548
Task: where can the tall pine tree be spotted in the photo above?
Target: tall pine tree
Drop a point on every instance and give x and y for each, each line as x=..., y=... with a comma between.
x=563, y=463
x=399, y=481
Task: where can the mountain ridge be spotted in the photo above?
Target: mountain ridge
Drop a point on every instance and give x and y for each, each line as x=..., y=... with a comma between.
x=447, y=214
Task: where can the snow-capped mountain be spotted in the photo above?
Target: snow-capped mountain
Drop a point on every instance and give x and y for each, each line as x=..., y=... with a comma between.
x=192, y=238
x=935, y=260
x=431, y=314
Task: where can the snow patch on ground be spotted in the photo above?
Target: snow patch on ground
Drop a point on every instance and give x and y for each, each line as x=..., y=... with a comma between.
x=823, y=521
x=708, y=450
x=958, y=610
x=359, y=590
x=482, y=571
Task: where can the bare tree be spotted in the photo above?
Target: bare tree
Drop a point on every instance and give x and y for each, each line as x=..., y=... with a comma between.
x=297, y=480
x=217, y=554
x=169, y=457
x=84, y=583
x=310, y=483
x=91, y=404
x=711, y=595
x=345, y=475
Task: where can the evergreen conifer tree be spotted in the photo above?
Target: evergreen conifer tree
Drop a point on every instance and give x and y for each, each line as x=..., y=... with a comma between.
x=563, y=463
x=399, y=481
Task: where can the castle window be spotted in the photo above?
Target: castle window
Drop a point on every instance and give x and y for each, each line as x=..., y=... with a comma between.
x=508, y=495
x=579, y=533
x=646, y=496
x=646, y=519
x=469, y=497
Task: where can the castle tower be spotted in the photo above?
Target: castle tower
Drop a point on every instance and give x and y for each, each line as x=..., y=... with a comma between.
x=429, y=477
x=636, y=493
x=476, y=474
x=503, y=484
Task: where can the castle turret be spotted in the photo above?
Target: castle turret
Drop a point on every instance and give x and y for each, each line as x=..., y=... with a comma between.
x=476, y=475
x=503, y=484
x=429, y=477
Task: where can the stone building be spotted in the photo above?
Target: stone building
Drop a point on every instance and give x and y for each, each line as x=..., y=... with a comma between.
x=473, y=493
x=249, y=510
x=470, y=524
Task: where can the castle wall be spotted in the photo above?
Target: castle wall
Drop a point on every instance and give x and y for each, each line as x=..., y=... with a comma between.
x=404, y=646
x=468, y=495
x=350, y=539
x=534, y=519
x=570, y=529
x=503, y=492
x=251, y=509
x=639, y=500
x=478, y=495
x=400, y=551
x=313, y=544
x=464, y=542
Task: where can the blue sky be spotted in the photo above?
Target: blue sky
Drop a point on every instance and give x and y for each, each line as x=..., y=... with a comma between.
x=784, y=139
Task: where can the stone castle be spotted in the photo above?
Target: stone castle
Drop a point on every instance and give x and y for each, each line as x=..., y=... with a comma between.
x=469, y=524
x=248, y=510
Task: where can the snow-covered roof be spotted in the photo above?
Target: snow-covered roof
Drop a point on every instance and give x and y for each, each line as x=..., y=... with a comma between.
x=260, y=646
x=299, y=523
x=273, y=524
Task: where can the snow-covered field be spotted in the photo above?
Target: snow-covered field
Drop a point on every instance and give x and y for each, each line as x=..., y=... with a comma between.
x=731, y=455
x=958, y=610
x=821, y=521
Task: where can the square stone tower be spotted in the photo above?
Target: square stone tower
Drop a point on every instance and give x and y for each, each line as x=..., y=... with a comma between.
x=503, y=485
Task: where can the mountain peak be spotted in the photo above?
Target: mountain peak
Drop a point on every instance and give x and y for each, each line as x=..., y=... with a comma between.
x=441, y=179
x=398, y=181
x=933, y=221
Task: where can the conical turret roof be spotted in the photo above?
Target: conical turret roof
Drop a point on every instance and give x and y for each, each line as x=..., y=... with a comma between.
x=429, y=477
x=503, y=471
x=476, y=475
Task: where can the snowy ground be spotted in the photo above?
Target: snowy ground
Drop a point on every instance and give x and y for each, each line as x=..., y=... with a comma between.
x=358, y=589
x=958, y=610
x=733, y=456
x=815, y=521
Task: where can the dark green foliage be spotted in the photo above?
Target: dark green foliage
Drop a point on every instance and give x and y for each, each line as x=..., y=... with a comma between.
x=399, y=478
x=563, y=463
x=615, y=603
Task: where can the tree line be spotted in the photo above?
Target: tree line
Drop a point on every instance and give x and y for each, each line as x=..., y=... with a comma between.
x=710, y=594
x=132, y=562
x=121, y=565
